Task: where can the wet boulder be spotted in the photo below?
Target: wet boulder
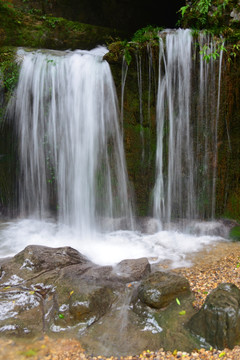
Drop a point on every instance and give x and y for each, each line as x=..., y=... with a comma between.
x=133, y=270
x=42, y=258
x=159, y=289
x=113, y=309
x=95, y=304
x=60, y=288
x=218, y=321
x=28, y=295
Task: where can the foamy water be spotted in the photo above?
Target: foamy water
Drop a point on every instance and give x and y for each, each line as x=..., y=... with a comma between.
x=105, y=248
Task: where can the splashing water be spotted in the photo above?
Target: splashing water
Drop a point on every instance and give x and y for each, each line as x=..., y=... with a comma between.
x=112, y=247
x=71, y=154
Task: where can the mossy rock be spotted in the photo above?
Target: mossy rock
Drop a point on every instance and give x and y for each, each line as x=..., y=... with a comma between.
x=234, y=233
x=44, y=31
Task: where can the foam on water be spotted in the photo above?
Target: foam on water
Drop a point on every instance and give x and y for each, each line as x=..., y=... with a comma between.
x=104, y=248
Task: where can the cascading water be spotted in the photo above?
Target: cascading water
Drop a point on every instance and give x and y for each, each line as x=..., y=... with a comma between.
x=72, y=161
x=71, y=151
x=175, y=194
x=186, y=129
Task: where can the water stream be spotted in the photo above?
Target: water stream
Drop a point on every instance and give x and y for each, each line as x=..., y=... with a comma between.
x=187, y=127
x=73, y=181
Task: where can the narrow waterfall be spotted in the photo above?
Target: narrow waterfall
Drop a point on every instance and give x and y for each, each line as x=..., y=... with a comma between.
x=71, y=152
x=187, y=119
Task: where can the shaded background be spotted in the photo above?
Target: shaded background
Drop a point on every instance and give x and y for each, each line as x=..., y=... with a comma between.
x=124, y=15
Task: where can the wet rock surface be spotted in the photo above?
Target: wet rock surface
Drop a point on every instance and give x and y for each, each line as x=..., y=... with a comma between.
x=117, y=310
x=161, y=288
x=59, y=291
x=218, y=321
x=133, y=270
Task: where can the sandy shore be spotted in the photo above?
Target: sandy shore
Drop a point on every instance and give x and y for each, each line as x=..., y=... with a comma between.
x=214, y=265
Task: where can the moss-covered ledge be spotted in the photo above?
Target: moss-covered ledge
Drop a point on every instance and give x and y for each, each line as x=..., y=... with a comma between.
x=44, y=31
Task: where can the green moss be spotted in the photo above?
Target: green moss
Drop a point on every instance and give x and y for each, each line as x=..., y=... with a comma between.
x=9, y=76
x=234, y=233
x=32, y=30
x=140, y=157
x=232, y=210
x=10, y=72
x=146, y=34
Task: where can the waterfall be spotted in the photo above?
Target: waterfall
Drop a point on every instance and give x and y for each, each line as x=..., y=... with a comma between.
x=73, y=184
x=123, y=81
x=174, y=195
x=207, y=116
x=187, y=116
x=70, y=145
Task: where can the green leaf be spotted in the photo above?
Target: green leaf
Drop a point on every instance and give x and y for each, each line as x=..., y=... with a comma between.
x=177, y=301
x=29, y=353
x=183, y=9
x=61, y=316
x=222, y=354
x=183, y=312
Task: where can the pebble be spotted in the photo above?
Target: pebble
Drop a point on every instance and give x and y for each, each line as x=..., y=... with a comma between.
x=70, y=349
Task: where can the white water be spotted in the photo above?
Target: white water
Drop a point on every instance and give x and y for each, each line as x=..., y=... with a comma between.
x=186, y=156
x=67, y=120
x=71, y=151
x=109, y=248
x=208, y=117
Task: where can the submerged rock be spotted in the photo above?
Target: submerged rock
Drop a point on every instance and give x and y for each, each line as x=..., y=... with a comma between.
x=218, y=321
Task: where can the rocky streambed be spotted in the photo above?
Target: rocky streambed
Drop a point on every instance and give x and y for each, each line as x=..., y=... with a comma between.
x=121, y=310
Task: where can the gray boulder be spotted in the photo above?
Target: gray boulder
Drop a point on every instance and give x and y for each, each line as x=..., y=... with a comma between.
x=218, y=321
x=159, y=289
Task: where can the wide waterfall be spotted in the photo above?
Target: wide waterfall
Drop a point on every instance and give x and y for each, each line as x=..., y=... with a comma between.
x=73, y=182
x=71, y=151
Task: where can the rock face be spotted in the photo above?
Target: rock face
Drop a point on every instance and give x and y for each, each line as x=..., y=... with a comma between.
x=126, y=15
x=160, y=289
x=114, y=310
x=218, y=321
